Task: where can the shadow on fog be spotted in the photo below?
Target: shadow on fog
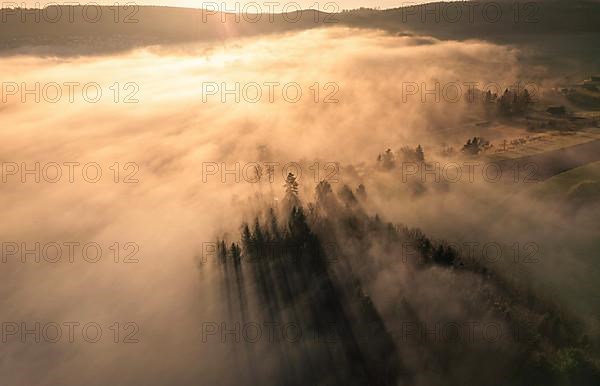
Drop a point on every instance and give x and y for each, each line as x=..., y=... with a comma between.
x=379, y=292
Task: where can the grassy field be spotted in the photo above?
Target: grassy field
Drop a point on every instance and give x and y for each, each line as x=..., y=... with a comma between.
x=581, y=184
x=587, y=114
x=544, y=142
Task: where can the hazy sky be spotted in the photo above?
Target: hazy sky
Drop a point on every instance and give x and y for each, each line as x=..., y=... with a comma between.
x=277, y=5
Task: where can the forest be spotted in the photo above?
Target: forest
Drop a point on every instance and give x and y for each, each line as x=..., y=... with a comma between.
x=315, y=263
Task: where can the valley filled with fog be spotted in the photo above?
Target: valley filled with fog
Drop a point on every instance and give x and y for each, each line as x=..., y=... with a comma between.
x=179, y=156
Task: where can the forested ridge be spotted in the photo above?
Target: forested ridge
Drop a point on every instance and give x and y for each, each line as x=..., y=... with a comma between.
x=315, y=264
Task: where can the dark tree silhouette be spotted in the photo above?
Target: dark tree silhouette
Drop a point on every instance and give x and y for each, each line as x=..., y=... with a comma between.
x=387, y=160
x=514, y=103
x=475, y=146
x=420, y=155
x=413, y=155
x=323, y=190
x=347, y=196
x=291, y=185
x=361, y=192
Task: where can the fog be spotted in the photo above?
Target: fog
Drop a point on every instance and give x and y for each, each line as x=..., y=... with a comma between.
x=176, y=124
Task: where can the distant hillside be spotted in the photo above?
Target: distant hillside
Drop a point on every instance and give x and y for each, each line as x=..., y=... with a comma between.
x=120, y=28
x=570, y=25
x=498, y=20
